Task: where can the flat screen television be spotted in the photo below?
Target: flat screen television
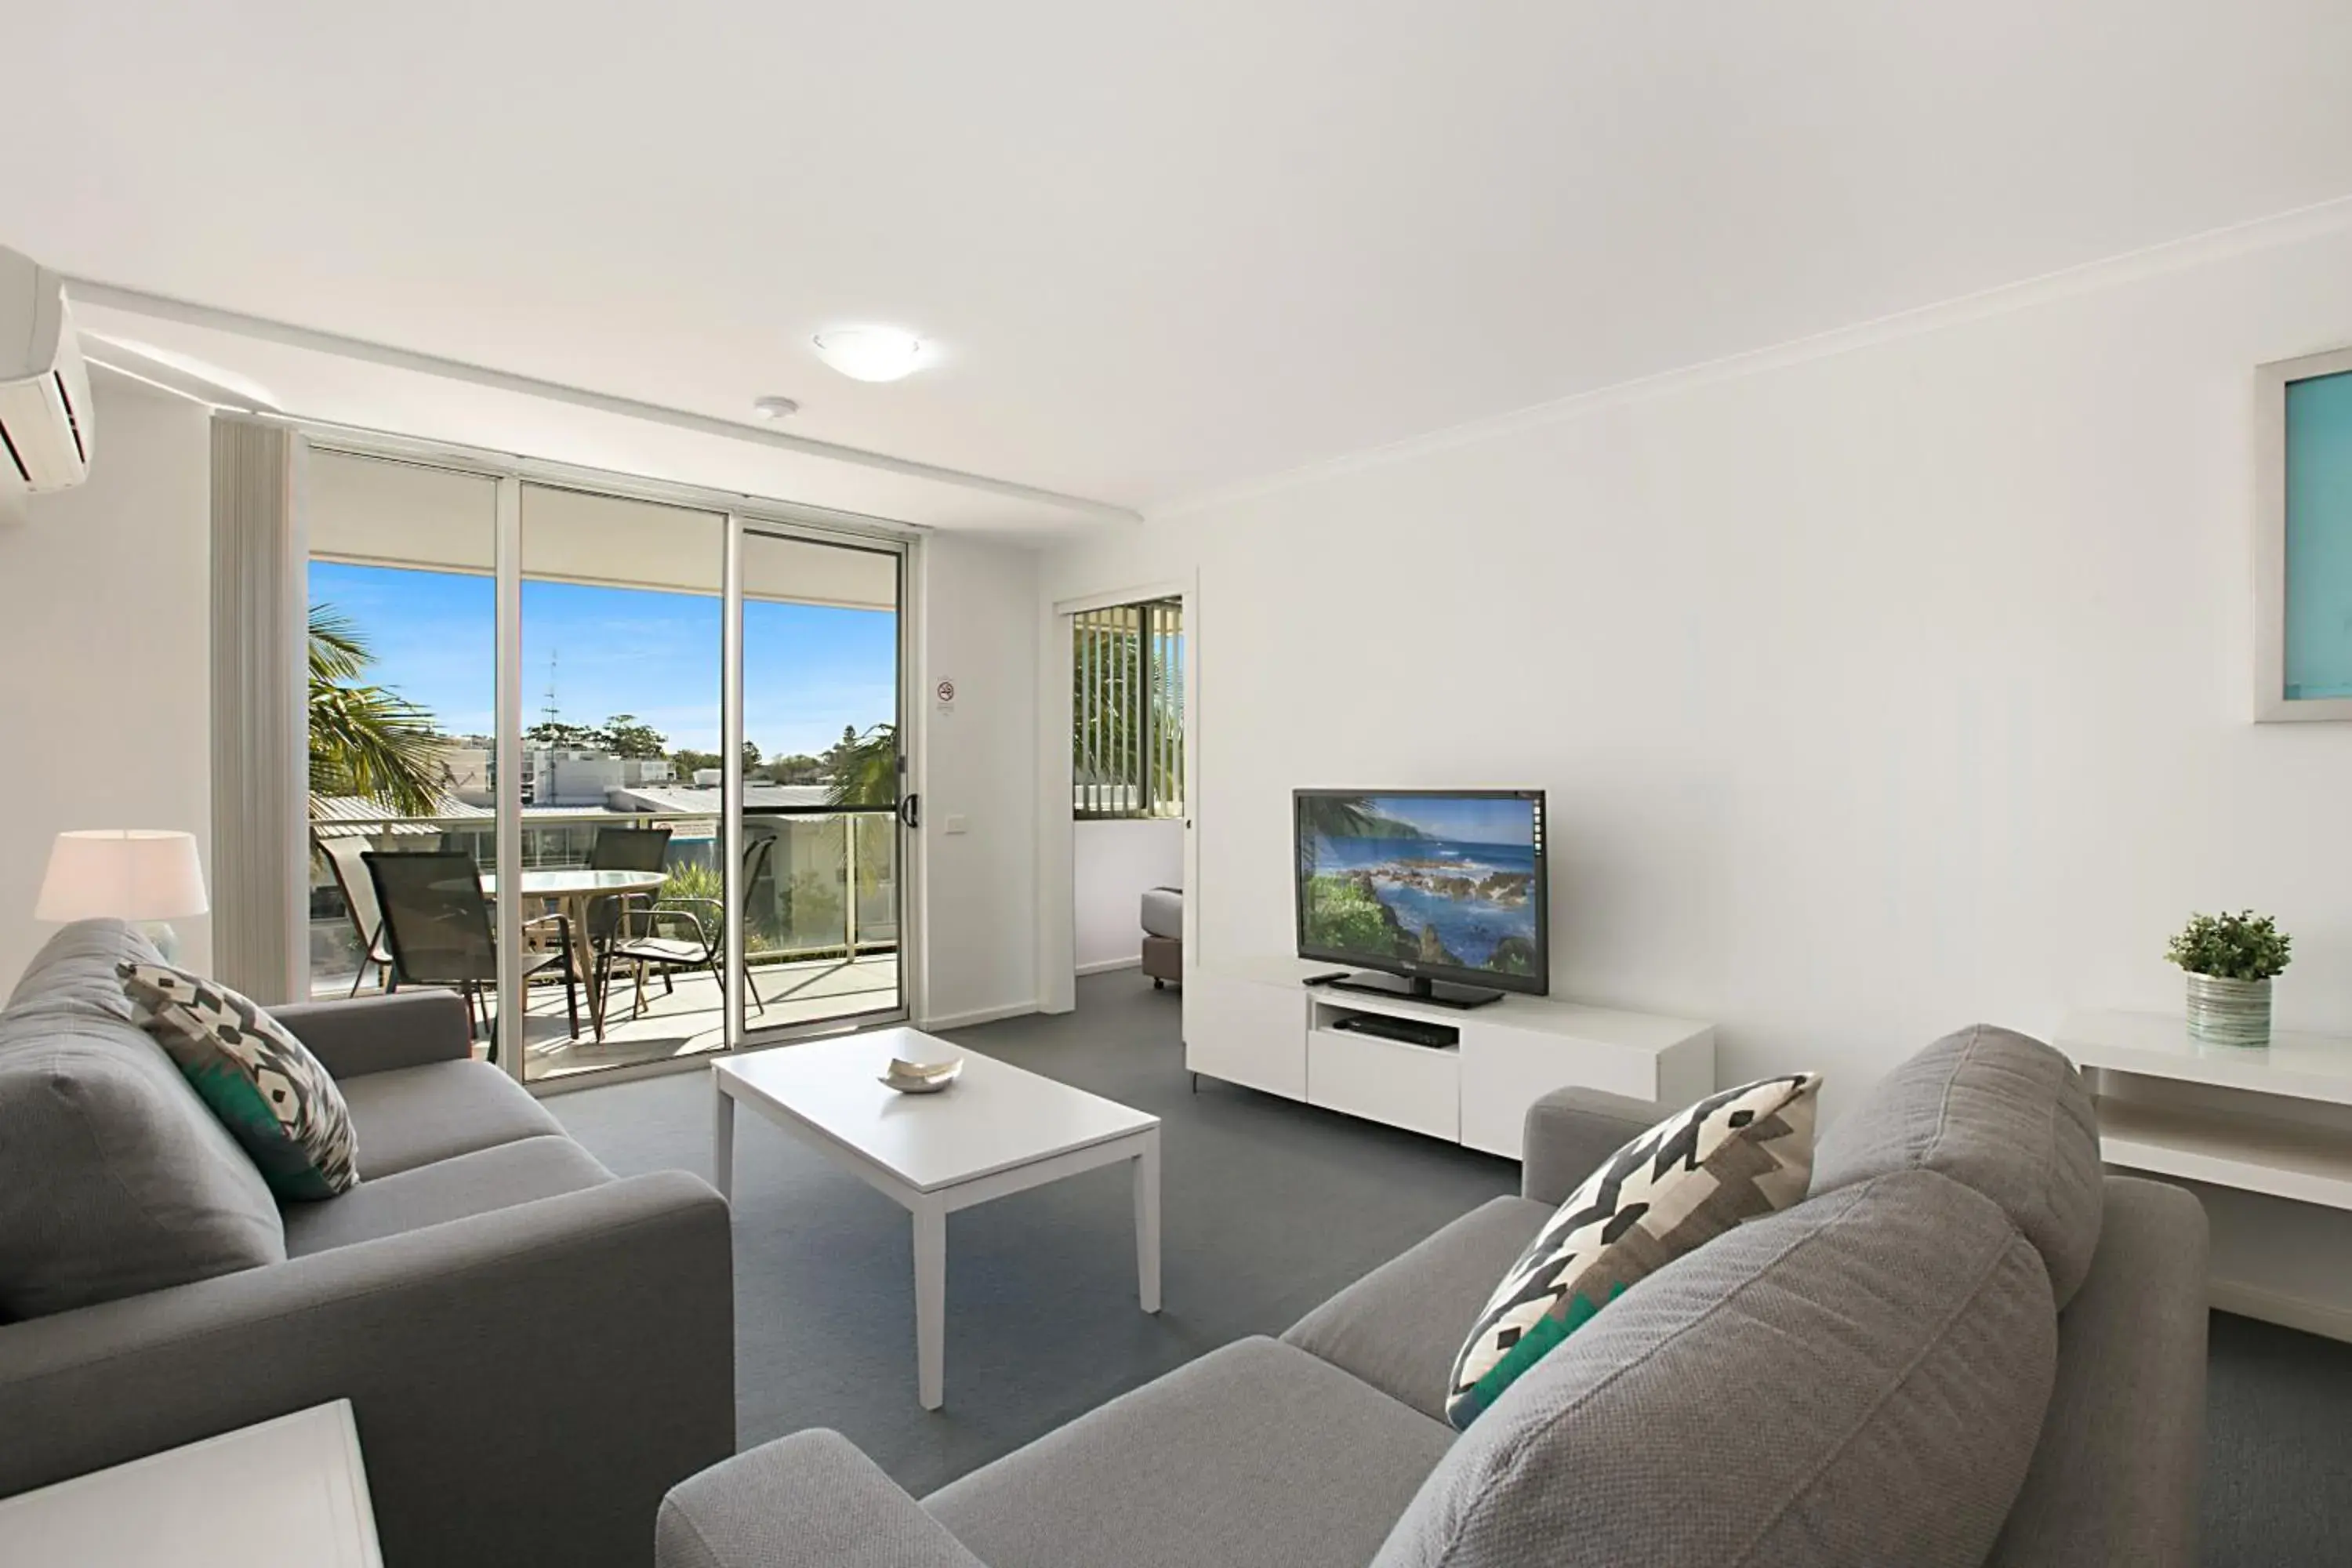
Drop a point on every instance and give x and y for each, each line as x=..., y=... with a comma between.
x=1444, y=889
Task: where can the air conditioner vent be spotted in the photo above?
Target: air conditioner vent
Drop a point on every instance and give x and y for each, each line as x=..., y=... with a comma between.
x=9, y=441
x=73, y=417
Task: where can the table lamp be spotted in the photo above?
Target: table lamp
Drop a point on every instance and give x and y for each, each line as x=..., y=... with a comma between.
x=140, y=875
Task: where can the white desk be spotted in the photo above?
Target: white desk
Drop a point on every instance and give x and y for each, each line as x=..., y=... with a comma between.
x=999, y=1129
x=289, y=1493
x=2275, y=1122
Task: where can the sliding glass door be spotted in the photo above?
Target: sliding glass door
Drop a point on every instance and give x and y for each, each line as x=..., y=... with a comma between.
x=403, y=701
x=622, y=607
x=656, y=745
x=820, y=865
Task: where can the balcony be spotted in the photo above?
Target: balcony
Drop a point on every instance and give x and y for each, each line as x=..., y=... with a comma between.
x=819, y=919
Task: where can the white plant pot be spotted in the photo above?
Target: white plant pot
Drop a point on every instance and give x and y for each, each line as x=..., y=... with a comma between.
x=2228, y=1012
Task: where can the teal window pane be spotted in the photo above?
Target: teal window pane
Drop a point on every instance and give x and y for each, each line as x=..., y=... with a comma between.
x=2319, y=537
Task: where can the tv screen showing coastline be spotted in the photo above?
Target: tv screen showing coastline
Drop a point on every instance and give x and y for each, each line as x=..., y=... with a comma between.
x=1436, y=881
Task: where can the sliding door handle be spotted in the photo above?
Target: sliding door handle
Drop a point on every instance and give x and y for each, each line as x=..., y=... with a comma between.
x=910, y=810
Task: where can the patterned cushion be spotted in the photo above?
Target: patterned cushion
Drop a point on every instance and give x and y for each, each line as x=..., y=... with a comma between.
x=266, y=1088
x=1732, y=1156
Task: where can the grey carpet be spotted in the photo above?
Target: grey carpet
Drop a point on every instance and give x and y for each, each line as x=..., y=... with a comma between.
x=2278, y=1447
x=1268, y=1208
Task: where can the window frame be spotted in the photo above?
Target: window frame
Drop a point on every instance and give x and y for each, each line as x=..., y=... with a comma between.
x=1127, y=759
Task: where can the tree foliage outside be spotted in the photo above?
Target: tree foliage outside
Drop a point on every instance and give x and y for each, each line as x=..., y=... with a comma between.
x=626, y=735
x=688, y=762
x=800, y=768
x=621, y=735
x=367, y=740
x=861, y=769
x=566, y=736
x=1127, y=708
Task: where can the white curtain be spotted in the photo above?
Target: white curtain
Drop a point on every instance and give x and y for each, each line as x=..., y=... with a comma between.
x=261, y=726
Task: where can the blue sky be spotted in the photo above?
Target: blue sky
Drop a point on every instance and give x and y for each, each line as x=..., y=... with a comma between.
x=809, y=669
x=1468, y=820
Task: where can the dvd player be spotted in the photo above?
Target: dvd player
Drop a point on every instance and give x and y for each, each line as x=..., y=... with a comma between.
x=1409, y=1031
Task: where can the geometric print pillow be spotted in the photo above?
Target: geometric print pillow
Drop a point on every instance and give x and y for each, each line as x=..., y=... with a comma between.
x=262, y=1083
x=1737, y=1155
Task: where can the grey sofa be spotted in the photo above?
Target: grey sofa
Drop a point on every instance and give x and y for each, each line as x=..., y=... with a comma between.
x=1967, y=1345
x=534, y=1349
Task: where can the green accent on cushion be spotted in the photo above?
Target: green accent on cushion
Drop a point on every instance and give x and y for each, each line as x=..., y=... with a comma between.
x=231, y=1095
x=260, y=1081
x=1533, y=1346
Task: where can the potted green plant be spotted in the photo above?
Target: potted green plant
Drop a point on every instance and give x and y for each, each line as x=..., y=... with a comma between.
x=2231, y=961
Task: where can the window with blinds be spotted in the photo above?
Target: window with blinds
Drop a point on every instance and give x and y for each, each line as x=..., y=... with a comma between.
x=1127, y=742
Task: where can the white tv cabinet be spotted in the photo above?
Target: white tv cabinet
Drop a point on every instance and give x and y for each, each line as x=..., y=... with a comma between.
x=1252, y=1022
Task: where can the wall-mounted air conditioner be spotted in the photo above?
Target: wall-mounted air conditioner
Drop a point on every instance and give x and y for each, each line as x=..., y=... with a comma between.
x=46, y=431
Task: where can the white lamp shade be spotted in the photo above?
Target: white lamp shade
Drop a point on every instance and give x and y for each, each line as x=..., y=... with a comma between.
x=133, y=874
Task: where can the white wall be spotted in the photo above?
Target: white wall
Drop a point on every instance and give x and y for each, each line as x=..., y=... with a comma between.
x=103, y=647
x=1879, y=687
x=1113, y=862
x=975, y=626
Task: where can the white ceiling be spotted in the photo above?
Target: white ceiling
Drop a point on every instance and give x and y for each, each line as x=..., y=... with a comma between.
x=1167, y=249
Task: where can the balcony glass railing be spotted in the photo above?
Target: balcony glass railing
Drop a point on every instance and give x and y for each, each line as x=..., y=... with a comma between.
x=824, y=880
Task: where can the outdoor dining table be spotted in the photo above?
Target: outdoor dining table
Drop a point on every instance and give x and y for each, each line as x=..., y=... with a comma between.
x=573, y=888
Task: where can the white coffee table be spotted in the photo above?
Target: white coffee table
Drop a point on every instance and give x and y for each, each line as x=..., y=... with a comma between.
x=1000, y=1129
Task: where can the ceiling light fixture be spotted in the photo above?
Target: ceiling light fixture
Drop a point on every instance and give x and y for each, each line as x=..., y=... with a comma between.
x=870, y=354
x=773, y=408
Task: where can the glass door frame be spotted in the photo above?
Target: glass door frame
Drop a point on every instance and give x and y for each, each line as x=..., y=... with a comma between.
x=743, y=515
x=739, y=1037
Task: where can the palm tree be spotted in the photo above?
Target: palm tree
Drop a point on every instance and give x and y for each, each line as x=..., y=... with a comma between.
x=864, y=767
x=367, y=740
x=864, y=771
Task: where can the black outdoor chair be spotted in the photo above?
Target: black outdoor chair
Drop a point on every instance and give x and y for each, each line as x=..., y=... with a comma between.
x=345, y=856
x=622, y=849
x=639, y=940
x=436, y=927
x=629, y=850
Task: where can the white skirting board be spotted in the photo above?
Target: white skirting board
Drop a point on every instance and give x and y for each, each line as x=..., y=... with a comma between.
x=1106, y=965
x=977, y=1015
x=2322, y=1318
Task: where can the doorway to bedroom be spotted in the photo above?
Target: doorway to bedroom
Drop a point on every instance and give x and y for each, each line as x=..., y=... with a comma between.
x=1128, y=799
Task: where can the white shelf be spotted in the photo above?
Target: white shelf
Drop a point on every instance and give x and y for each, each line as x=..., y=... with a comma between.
x=2298, y=1066
x=2255, y=1154
x=1648, y=1032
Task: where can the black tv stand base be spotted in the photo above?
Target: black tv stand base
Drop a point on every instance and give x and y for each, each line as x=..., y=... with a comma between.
x=1412, y=988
